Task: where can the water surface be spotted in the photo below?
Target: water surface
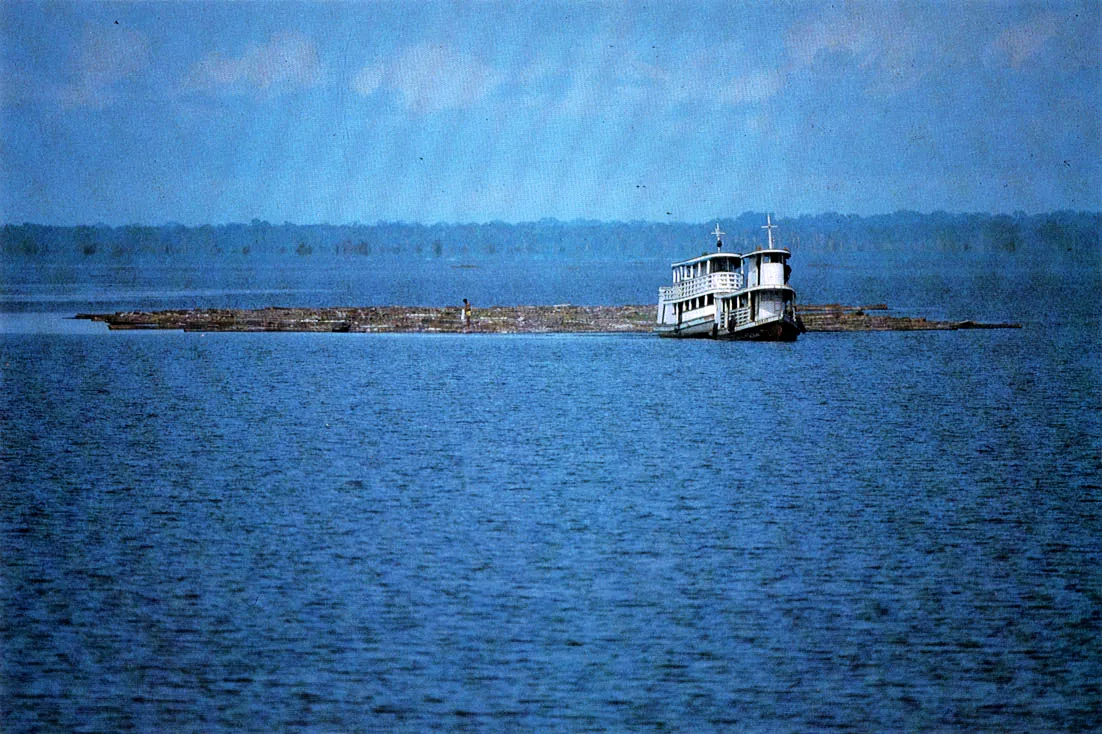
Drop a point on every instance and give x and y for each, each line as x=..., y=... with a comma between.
x=366, y=532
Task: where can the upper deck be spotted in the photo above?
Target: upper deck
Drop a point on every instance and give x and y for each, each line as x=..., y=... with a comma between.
x=709, y=256
x=725, y=264
x=736, y=257
x=720, y=273
x=704, y=265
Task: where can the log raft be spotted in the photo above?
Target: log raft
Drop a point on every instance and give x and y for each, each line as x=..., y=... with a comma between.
x=560, y=319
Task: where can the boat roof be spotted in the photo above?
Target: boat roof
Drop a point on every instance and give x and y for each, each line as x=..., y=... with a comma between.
x=707, y=256
x=738, y=256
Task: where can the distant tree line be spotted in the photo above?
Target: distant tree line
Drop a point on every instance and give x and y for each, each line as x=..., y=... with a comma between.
x=1063, y=231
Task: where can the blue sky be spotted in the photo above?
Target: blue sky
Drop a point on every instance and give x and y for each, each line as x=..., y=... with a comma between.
x=469, y=112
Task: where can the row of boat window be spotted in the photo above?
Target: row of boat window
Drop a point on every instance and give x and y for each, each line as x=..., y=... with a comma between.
x=721, y=265
x=715, y=265
x=699, y=302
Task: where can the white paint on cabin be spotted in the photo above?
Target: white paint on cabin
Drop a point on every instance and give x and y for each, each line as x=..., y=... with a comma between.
x=772, y=273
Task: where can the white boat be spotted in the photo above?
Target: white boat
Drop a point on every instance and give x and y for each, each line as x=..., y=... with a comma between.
x=725, y=295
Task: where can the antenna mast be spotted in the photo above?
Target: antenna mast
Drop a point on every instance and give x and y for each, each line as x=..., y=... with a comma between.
x=768, y=227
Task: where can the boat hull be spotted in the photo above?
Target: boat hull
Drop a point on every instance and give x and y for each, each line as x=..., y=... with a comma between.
x=698, y=328
x=781, y=330
x=776, y=330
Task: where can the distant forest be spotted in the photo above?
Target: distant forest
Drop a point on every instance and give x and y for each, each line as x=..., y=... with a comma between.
x=1075, y=232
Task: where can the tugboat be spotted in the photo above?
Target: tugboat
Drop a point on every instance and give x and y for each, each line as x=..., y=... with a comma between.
x=725, y=295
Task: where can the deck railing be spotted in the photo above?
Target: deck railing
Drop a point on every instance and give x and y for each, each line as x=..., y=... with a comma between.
x=737, y=317
x=699, y=286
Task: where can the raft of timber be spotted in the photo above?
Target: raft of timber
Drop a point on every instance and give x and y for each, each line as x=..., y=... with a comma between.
x=493, y=320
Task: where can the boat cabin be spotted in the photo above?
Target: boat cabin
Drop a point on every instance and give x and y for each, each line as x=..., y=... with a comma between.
x=706, y=265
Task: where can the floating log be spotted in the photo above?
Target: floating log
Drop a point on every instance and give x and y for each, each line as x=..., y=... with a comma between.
x=563, y=318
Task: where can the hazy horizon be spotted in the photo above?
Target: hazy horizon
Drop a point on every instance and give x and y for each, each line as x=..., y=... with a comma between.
x=777, y=217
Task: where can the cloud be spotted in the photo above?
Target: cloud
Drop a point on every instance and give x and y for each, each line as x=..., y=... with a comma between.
x=894, y=48
x=607, y=74
x=595, y=74
x=805, y=42
x=431, y=77
x=104, y=59
x=1020, y=44
x=752, y=87
x=288, y=61
x=368, y=79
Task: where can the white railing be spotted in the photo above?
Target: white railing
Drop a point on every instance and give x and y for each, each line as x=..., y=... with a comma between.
x=699, y=286
x=738, y=317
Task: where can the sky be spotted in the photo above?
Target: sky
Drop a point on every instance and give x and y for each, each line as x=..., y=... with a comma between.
x=329, y=112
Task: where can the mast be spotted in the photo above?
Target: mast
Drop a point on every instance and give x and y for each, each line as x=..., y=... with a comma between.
x=768, y=227
x=718, y=234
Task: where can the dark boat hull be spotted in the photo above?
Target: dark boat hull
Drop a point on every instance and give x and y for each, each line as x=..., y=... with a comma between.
x=782, y=330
